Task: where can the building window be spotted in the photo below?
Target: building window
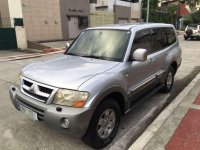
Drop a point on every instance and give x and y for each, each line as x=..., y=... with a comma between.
x=83, y=22
x=69, y=18
x=93, y=1
x=18, y=22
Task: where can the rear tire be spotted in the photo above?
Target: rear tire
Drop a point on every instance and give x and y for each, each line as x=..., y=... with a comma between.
x=103, y=125
x=185, y=37
x=169, y=81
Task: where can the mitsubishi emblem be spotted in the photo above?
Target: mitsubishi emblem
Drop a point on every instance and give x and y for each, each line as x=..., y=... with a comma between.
x=33, y=89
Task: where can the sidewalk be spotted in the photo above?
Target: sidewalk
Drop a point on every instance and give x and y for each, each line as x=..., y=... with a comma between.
x=55, y=47
x=11, y=55
x=56, y=44
x=178, y=126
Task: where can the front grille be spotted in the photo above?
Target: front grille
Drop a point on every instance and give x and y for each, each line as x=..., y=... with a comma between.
x=39, y=112
x=36, y=96
x=36, y=90
x=27, y=83
x=45, y=90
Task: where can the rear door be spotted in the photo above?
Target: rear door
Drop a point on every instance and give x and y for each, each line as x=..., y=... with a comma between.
x=159, y=51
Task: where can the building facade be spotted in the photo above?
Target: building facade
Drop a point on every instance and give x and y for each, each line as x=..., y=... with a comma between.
x=50, y=20
x=11, y=24
x=46, y=20
x=74, y=17
x=124, y=11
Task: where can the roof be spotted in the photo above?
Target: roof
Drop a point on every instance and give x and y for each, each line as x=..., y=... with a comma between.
x=182, y=10
x=129, y=26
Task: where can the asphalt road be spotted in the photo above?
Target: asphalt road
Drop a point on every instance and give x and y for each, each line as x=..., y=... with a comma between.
x=20, y=133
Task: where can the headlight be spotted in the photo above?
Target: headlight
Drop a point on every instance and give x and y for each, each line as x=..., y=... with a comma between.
x=70, y=98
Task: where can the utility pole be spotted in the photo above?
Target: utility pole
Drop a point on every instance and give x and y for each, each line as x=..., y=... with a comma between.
x=147, y=19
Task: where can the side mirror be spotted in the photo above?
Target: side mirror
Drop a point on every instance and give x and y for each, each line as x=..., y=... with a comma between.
x=67, y=45
x=140, y=55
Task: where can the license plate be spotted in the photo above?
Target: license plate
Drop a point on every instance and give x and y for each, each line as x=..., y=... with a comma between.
x=31, y=114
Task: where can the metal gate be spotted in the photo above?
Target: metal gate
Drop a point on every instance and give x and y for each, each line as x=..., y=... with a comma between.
x=98, y=18
x=8, y=39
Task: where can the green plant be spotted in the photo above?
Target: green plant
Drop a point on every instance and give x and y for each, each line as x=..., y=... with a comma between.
x=187, y=20
x=192, y=18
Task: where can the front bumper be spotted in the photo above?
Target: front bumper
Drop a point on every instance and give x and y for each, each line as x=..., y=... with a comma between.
x=79, y=118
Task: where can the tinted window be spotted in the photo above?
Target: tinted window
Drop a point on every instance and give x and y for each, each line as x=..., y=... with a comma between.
x=193, y=26
x=142, y=40
x=159, y=39
x=171, y=36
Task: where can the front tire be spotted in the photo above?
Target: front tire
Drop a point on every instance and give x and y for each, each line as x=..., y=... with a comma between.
x=169, y=81
x=103, y=125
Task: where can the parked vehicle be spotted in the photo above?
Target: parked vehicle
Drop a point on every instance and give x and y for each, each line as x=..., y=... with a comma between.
x=101, y=76
x=192, y=31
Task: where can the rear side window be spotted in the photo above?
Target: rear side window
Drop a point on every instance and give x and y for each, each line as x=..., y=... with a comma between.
x=159, y=39
x=142, y=40
x=171, y=36
x=154, y=39
x=193, y=26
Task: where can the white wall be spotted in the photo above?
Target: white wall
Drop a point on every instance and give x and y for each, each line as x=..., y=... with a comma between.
x=21, y=38
x=122, y=3
x=111, y=3
x=135, y=10
x=15, y=9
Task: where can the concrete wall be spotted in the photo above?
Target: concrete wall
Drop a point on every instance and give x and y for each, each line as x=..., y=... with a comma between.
x=15, y=9
x=111, y=3
x=122, y=13
x=5, y=15
x=42, y=19
x=72, y=8
x=135, y=11
x=123, y=10
x=21, y=38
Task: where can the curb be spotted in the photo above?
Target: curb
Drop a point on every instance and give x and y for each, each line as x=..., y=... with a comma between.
x=143, y=140
x=27, y=56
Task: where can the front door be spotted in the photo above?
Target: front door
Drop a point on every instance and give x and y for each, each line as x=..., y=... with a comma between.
x=141, y=74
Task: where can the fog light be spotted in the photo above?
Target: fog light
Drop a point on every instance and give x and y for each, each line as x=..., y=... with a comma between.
x=65, y=123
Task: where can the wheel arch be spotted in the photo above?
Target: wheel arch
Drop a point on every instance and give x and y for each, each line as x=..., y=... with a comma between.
x=174, y=66
x=115, y=92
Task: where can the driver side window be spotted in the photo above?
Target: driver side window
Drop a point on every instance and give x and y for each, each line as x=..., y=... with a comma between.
x=142, y=40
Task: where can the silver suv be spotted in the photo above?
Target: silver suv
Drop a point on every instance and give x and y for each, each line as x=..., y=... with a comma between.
x=100, y=77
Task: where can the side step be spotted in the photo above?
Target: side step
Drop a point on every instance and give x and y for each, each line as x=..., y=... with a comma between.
x=144, y=97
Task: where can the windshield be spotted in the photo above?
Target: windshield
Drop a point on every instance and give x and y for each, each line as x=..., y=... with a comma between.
x=101, y=44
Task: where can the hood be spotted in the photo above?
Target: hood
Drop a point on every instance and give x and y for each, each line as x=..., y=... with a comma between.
x=68, y=71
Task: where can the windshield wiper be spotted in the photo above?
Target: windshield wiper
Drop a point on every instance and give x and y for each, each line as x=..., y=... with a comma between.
x=72, y=54
x=88, y=56
x=92, y=56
